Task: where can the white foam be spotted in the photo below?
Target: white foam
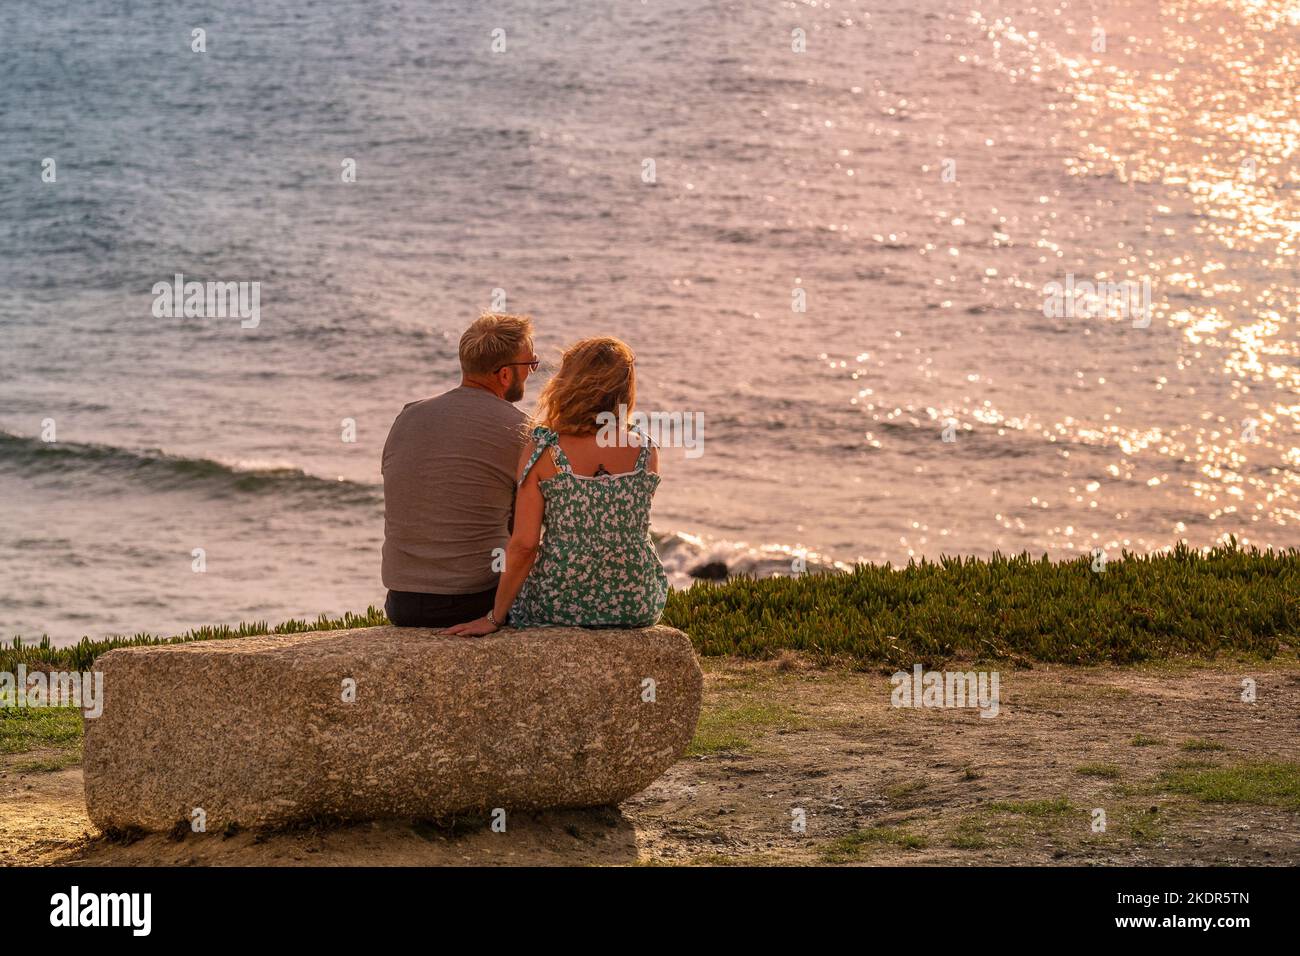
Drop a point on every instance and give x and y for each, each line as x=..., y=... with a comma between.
x=681, y=552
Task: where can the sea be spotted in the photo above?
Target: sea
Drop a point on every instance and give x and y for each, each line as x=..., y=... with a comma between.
x=834, y=233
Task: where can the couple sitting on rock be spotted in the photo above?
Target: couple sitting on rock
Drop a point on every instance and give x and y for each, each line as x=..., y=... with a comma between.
x=491, y=519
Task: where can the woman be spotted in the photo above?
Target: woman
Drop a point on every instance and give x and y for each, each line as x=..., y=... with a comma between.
x=596, y=565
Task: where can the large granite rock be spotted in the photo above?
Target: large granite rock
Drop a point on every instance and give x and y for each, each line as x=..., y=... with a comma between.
x=257, y=731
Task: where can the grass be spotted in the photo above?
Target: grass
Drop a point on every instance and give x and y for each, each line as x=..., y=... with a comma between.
x=722, y=859
x=62, y=761
x=81, y=656
x=1034, y=808
x=1141, y=608
x=732, y=727
x=1073, y=692
x=1012, y=823
x=1109, y=771
x=969, y=834
x=28, y=728
x=1193, y=744
x=1262, y=783
x=1146, y=740
x=1017, y=824
x=1191, y=763
x=850, y=847
x=1145, y=826
x=1229, y=600
x=901, y=792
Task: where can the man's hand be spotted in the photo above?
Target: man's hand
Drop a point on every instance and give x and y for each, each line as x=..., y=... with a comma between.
x=473, y=628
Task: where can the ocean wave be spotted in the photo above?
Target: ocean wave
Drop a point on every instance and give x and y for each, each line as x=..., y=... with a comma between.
x=686, y=557
x=157, y=470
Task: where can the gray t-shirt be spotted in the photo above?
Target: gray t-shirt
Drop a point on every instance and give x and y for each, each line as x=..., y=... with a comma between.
x=449, y=486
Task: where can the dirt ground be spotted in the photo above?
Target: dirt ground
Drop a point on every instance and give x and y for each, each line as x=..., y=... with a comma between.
x=1185, y=772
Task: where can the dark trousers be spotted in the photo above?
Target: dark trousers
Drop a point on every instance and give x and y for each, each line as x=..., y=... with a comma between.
x=412, y=609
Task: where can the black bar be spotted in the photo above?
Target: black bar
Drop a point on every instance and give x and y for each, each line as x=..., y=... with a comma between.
x=942, y=905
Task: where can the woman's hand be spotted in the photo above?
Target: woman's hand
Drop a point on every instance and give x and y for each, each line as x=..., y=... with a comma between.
x=476, y=628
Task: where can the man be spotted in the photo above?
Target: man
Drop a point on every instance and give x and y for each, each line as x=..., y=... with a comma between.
x=449, y=481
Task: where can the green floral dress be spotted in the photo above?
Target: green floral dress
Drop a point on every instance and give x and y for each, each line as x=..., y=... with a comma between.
x=597, y=566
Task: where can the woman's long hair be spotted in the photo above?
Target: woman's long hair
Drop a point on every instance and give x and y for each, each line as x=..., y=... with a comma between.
x=596, y=375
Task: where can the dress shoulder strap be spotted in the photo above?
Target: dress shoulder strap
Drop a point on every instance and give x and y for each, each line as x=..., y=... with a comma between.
x=543, y=437
x=559, y=457
x=647, y=443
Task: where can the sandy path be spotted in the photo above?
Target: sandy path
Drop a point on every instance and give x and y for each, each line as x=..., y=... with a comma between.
x=876, y=784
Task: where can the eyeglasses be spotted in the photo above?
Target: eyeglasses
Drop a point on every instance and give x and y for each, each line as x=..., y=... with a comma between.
x=533, y=366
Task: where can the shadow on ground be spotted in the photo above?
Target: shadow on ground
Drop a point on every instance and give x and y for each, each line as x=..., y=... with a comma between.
x=599, y=836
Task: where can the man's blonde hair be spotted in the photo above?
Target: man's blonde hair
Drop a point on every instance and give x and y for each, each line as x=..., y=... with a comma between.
x=494, y=340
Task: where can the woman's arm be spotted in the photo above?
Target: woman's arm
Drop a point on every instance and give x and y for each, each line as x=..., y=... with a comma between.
x=521, y=551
